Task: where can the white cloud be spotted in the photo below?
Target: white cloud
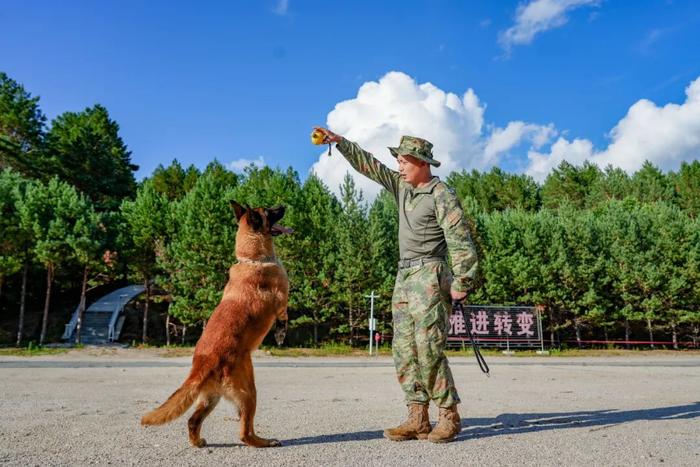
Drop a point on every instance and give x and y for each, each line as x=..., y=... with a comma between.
x=664, y=135
x=396, y=105
x=240, y=164
x=539, y=16
x=502, y=140
x=575, y=152
x=281, y=7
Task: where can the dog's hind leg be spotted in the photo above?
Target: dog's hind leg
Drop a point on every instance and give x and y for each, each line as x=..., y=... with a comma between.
x=245, y=396
x=205, y=404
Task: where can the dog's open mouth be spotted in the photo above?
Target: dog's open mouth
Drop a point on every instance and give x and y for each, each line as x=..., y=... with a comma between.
x=279, y=230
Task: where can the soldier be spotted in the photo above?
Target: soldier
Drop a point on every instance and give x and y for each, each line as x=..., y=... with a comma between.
x=431, y=225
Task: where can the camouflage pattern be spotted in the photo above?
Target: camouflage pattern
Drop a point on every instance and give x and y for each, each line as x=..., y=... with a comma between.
x=416, y=147
x=421, y=307
x=450, y=217
x=431, y=219
x=431, y=224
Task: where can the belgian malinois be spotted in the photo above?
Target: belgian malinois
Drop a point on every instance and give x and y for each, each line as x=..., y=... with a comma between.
x=254, y=297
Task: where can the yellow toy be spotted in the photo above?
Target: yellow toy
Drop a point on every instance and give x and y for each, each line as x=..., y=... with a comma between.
x=318, y=138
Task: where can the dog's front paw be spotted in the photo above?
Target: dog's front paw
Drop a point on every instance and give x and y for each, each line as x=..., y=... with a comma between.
x=280, y=331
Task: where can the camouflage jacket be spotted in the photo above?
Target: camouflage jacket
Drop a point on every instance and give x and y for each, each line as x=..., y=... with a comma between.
x=431, y=220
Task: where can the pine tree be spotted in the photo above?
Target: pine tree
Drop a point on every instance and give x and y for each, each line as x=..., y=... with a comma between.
x=313, y=270
x=691, y=315
x=496, y=190
x=83, y=144
x=582, y=270
x=686, y=185
x=627, y=243
x=501, y=257
x=354, y=267
x=569, y=184
x=86, y=242
x=664, y=280
x=21, y=129
x=614, y=183
x=384, y=251
x=649, y=184
x=50, y=212
x=18, y=237
x=174, y=181
x=147, y=225
x=201, y=249
x=10, y=233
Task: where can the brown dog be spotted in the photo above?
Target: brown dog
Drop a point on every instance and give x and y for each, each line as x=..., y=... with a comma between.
x=255, y=295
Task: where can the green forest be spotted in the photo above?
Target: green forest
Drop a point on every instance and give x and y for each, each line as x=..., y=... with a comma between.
x=610, y=255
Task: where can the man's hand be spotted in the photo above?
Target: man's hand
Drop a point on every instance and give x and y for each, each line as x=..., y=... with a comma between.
x=458, y=296
x=330, y=136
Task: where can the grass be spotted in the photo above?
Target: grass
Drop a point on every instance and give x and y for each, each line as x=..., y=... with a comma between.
x=327, y=350
x=32, y=350
x=343, y=350
x=171, y=351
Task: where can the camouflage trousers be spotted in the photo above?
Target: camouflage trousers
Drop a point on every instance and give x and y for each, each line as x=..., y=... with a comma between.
x=421, y=306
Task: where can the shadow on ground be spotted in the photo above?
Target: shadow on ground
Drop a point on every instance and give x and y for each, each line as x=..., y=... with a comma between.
x=513, y=424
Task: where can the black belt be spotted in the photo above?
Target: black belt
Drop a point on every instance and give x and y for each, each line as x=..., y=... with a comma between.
x=409, y=263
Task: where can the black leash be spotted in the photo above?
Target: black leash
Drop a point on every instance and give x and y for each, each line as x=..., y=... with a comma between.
x=457, y=305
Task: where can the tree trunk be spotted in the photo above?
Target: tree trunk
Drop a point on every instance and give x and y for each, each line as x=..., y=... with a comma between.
x=184, y=331
x=315, y=316
x=20, y=327
x=167, y=327
x=1, y=282
x=627, y=333
x=145, y=310
x=577, y=326
x=674, y=333
x=45, y=320
x=651, y=334
x=605, y=334
x=81, y=307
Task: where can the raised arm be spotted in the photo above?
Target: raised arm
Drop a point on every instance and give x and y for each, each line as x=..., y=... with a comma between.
x=364, y=162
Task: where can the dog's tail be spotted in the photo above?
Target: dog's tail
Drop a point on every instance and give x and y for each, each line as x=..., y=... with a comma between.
x=176, y=405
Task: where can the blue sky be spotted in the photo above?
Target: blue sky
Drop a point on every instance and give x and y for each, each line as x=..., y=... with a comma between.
x=247, y=80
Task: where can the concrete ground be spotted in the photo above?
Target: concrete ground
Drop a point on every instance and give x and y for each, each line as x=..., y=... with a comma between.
x=80, y=408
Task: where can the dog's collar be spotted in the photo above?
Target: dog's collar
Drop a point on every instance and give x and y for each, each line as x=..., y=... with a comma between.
x=263, y=260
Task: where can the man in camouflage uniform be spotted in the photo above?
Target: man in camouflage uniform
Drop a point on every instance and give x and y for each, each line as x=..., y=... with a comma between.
x=431, y=225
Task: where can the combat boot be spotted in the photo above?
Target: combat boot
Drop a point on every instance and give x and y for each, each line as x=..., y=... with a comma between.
x=447, y=427
x=416, y=427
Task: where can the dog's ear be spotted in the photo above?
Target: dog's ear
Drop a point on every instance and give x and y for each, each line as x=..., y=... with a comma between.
x=274, y=214
x=238, y=209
